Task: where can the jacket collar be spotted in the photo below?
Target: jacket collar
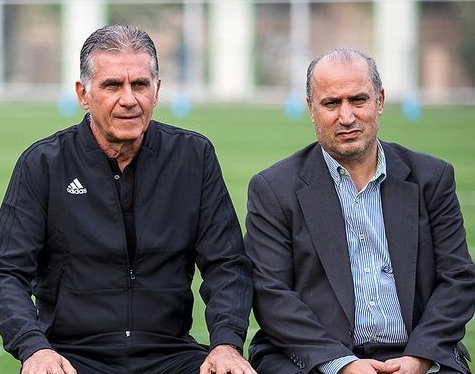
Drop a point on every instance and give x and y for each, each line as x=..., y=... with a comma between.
x=400, y=200
x=321, y=209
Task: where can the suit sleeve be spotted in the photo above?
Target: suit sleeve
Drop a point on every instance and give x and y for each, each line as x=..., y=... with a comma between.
x=225, y=268
x=450, y=305
x=22, y=226
x=289, y=323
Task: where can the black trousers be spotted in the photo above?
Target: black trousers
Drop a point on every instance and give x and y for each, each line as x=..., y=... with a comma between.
x=141, y=353
x=182, y=363
x=378, y=351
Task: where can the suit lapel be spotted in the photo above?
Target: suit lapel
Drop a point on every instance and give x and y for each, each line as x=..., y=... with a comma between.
x=321, y=209
x=400, y=200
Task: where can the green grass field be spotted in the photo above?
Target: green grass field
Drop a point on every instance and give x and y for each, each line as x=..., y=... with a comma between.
x=250, y=138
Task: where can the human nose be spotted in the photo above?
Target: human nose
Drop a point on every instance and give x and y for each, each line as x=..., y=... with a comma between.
x=346, y=115
x=127, y=97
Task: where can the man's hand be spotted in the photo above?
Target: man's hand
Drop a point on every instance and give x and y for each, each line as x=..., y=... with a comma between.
x=411, y=365
x=47, y=361
x=225, y=359
x=368, y=366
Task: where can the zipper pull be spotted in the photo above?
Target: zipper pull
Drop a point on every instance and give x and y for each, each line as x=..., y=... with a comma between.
x=131, y=278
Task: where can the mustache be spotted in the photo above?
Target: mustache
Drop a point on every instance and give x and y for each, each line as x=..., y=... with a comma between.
x=354, y=126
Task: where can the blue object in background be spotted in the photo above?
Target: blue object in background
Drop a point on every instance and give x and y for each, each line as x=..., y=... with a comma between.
x=67, y=105
x=294, y=106
x=181, y=106
x=411, y=108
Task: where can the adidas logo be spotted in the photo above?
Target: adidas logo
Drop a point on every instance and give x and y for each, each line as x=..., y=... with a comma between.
x=76, y=188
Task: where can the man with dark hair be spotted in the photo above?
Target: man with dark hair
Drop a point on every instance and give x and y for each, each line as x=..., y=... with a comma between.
x=104, y=223
x=360, y=258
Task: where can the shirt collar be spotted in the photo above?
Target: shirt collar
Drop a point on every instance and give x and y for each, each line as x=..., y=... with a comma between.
x=337, y=171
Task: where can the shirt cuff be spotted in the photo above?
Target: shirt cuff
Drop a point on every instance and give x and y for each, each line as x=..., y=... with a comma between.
x=334, y=366
x=434, y=368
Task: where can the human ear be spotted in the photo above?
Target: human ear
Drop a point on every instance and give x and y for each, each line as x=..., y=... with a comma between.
x=82, y=96
x=381, y=101
x=155, y=99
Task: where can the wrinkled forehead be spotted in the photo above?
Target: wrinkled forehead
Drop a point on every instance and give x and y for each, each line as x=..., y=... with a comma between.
x=109, y=61
x=338, y=62
x=341, y=78
x=338, y=69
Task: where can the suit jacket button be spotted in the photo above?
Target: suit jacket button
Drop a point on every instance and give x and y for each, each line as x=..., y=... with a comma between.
x=457, y=356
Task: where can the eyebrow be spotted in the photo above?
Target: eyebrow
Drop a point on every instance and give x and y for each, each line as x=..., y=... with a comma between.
x=360, y=95
x=142, y=80
x=109, y=81
x=340, y=98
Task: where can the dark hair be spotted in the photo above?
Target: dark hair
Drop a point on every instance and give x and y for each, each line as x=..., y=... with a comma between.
x=115, y=39
x=345, y=54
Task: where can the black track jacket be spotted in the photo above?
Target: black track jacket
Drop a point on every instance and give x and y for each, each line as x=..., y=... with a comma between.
x=62, y=239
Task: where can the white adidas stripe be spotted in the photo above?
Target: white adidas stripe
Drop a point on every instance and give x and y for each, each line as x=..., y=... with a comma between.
x=77, y=183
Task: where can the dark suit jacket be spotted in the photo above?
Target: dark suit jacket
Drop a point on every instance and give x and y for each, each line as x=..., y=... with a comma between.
x=304, y=291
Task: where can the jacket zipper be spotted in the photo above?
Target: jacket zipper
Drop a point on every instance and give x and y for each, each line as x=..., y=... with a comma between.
x=131, y=286
x=131, y=278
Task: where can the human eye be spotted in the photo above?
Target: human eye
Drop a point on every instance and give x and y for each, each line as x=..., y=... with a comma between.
x=141, y=84
x=359, y=100
x=330, y=103
x=110, y=84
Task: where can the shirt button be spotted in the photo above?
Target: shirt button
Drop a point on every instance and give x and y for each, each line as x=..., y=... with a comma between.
x=372, y=303
x=361, y=236
x=367, y=270
x=117, y=177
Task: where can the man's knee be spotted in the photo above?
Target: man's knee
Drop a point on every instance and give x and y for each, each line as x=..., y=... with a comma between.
x=275, y=363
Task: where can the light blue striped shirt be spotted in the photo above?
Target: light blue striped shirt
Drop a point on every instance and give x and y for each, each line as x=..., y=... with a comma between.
x=378, y=315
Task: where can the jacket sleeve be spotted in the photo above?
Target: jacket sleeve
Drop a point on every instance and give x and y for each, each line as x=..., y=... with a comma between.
x=22, y=227
x=288, y=322
x=450, y=305
x=226, y=271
